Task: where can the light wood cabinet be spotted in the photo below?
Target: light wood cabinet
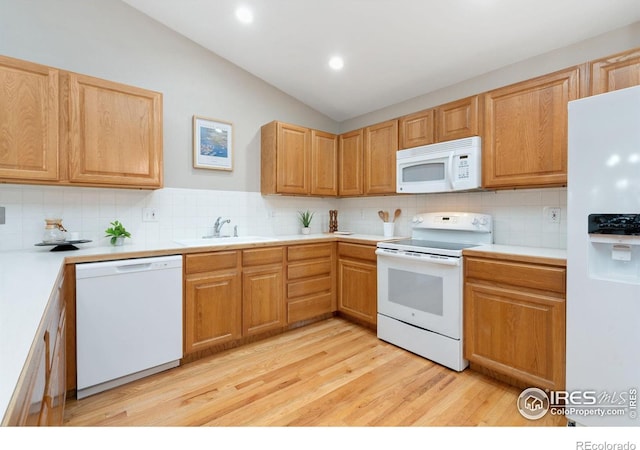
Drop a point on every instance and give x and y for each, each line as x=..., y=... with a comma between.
x=263, y=302
x=29, y=102
x=351, y=163
x=115, y=133
x=310, y=281
x=40, y=394
x=514, y=320
x=454, y=120
x=65, y=128
x=297, y=160
x=358, y=282
x=213, y=300
x=417, y=129
x=324, y=163
x=380, y=147
x=614, y=72
x=525, y=132
x=458, y=119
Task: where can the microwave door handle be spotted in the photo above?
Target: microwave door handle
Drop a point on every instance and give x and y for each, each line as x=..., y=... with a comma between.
x=451, y=183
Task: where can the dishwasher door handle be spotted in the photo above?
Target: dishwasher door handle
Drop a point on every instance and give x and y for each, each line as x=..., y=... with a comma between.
x=140, y=267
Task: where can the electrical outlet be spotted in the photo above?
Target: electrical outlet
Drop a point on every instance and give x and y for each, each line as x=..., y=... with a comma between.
x=552, y=214
x=149, y=215
x=2, y=222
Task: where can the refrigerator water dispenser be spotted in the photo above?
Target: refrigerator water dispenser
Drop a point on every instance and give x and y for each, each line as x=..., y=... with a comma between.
x=614, y=253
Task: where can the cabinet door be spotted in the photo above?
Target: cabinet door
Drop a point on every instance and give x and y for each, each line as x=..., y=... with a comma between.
x=350, y=164
x=115, y=134
x=212, y=309
x=517, y=333
x=457, y=120
x=293, y=159
x=358, y=289
x=324, y=163
x=380, y=147
x=29, y=97
x=417, y=129
x=525, y=137
x=262, y=299
x=614, y=72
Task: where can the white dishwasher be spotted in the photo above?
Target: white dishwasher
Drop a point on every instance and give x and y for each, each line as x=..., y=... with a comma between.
x=128, y=320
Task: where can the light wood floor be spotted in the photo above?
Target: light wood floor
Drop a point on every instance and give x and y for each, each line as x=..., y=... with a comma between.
x=331, y=373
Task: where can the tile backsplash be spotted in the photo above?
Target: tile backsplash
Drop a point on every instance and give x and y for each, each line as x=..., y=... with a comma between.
x=190, y=213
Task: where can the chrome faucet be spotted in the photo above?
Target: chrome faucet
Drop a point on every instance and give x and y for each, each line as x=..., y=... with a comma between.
x=218, y=225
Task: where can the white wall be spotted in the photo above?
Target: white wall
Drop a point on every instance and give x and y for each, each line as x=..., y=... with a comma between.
x=581, y=52
x=190, y=213
x=111, y=40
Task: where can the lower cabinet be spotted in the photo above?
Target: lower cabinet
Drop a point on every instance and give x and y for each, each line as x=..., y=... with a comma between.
x=310, y=281
x=262, y=290
x=213, y=301
x=357, y=282
x=39, y=397
x=514, y=320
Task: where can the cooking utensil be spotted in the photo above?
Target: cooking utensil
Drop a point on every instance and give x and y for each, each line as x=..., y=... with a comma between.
x=386, y=216
x=396, y=214
x=381, y=215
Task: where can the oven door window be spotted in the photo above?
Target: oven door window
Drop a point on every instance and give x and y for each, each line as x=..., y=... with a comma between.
x=418, y=173
x=417, y=291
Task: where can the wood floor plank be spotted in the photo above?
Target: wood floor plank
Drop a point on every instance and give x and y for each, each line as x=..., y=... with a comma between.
x=330, y=373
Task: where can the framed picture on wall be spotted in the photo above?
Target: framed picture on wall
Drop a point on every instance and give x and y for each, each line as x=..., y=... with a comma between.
x=212, y=144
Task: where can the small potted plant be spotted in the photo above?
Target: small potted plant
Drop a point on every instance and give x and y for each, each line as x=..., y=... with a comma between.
x=305, y=220
x=117, y=233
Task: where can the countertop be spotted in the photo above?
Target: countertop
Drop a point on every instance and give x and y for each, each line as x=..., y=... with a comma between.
x=531, y=254
x=27, y=280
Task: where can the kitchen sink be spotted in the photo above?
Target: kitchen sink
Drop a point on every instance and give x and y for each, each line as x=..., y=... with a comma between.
x=210, y=241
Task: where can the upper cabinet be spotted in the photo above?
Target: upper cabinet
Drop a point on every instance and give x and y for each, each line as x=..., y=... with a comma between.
x=297, y=160
x=380, y=147
x=29, y=101
x=115, y=133
x=64, y=128
x=618, y=71
x=351, y=163
x=417, y=129
x=324, y=163
x=455, y=120
x=525, y=131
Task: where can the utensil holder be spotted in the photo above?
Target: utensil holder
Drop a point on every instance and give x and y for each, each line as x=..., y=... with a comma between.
x=388, y=229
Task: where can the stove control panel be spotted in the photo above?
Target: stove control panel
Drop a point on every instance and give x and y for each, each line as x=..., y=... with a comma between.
x=456, y=221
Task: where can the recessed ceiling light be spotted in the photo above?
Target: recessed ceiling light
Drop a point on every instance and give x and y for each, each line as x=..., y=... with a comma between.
x=244, y=14
x=336, y=63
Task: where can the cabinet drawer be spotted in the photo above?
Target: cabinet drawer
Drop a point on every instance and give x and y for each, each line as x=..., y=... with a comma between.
x=367, y=252
x=209, y=262
x=310, y=269
x=546, y=278
x=307, y=287
x=309, y=307
x=261, y=256
x=311, y=251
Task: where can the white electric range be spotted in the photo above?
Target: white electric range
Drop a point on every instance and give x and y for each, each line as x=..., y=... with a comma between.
x=420, y=284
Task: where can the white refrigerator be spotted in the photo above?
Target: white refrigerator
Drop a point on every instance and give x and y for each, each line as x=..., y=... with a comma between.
x=603, y=259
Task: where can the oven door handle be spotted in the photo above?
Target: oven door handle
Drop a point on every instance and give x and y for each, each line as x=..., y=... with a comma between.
x=425, y=257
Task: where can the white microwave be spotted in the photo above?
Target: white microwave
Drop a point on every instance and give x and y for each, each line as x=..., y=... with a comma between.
x=443, y=167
